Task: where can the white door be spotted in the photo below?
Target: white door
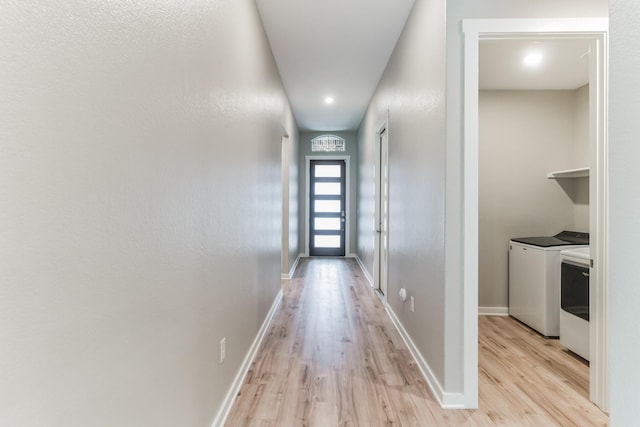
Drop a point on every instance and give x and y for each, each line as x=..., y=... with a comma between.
x=383, y=209
x=284, y=254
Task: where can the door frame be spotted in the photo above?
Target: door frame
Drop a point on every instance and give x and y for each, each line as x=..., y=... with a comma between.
x=285, y=143
x=347, y=199
x=377, y=248
x=595, y=29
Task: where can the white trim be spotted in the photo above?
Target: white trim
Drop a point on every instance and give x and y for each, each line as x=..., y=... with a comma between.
x=493, y=311
x=224, y=410
x=347, y=199
x=599, y=209
x=446, y=400
x=518, y=26
x=365, y=271
x=292, y=270
x=474, y=30
x=470, y=225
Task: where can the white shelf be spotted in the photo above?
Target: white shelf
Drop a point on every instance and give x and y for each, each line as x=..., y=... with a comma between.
x=569, y=173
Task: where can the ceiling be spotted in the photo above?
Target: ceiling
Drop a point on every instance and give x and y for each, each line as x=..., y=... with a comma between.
x=336, y=48
x=340, y=48
x=564, y=64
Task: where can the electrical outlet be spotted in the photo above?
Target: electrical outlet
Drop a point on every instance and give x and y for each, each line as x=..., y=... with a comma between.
x=413, y=305
x=223, y=349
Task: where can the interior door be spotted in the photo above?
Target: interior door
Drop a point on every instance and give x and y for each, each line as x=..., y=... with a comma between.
x=327, y=217
x=383, y=226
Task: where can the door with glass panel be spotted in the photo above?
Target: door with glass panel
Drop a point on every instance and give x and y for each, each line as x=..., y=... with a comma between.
x=327, y=208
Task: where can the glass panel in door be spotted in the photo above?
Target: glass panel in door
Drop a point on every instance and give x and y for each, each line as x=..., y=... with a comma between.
x=327, y=208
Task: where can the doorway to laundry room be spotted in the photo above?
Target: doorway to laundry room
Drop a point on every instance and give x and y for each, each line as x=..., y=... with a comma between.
x=539, y=109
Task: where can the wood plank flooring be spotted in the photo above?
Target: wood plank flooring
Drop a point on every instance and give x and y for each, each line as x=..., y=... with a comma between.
x=332, y=357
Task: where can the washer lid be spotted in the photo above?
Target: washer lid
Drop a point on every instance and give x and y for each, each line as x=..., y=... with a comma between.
x=564, y=238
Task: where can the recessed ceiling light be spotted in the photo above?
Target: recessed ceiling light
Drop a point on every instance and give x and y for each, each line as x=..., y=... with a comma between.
x=328, y=100
x=533, y=59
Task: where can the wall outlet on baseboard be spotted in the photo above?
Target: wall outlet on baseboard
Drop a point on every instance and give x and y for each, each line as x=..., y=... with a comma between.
x=413, y=305
x=223, y=349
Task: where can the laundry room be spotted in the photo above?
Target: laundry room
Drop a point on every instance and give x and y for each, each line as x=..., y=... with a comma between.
x=534, y=151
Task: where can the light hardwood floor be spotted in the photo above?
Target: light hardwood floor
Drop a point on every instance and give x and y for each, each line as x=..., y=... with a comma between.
x=332, y=357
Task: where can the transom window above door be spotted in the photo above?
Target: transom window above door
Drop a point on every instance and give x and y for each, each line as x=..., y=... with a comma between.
x=328, y=143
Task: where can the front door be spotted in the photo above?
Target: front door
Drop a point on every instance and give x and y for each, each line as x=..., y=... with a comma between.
x=327, y=218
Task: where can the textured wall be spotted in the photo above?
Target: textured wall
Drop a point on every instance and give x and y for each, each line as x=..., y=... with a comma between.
x=140, y=220
x=412, y=90
x=624, y=152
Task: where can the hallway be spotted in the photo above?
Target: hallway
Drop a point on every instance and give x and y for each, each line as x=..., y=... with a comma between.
x=332, y=357
x=147, y=150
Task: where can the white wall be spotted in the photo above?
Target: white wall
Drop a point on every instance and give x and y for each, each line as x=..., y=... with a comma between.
x=351, y=150
x=457, y=10
x=624, y=150
x=412, y=89
x=581, y=146
x=523, y=135
x=581, y=150
x=140, y=221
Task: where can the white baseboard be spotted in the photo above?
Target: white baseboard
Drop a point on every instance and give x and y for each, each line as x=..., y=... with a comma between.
x=493, y=311
x=445, y=399
x=364, y=271
x=224, y=410
x=293, y=268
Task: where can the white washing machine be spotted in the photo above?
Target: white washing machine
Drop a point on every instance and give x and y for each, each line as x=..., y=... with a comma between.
x=534, y=279
x=574, y=300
